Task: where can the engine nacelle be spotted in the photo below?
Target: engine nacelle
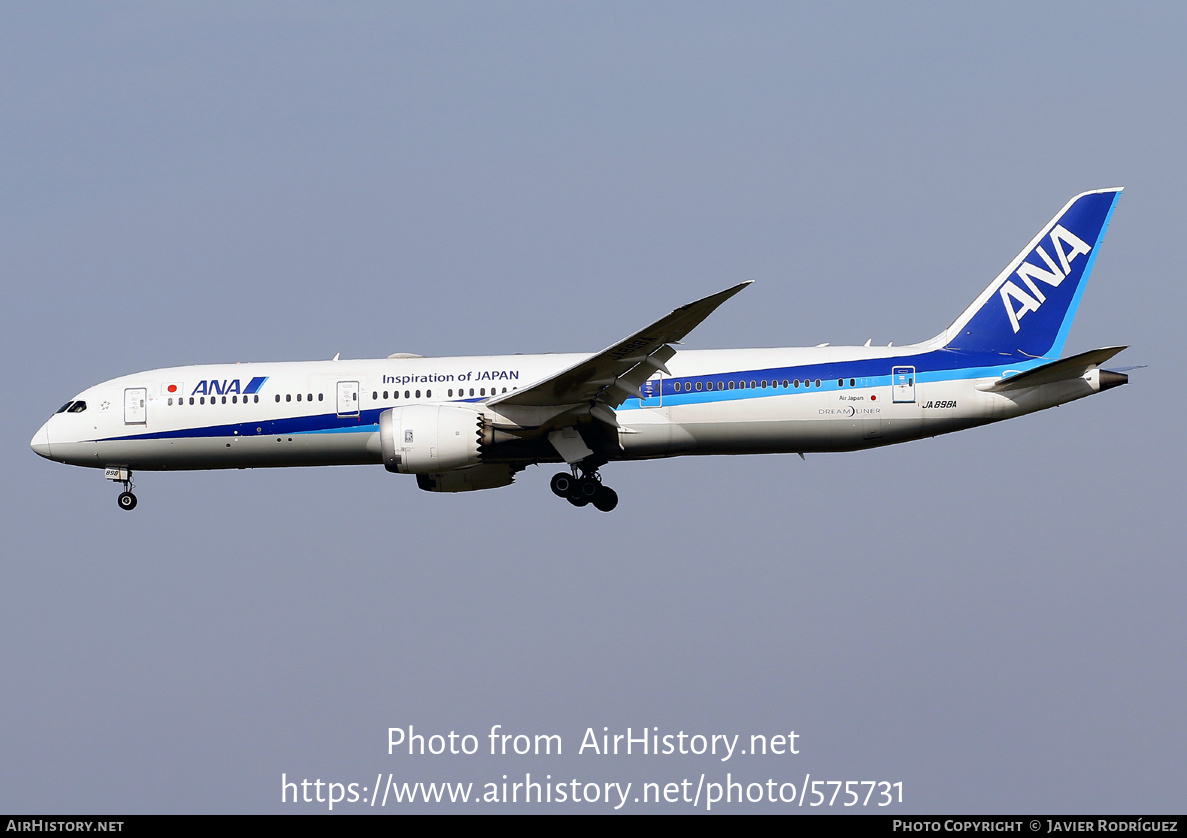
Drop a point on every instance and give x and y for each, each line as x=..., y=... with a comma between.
x=425, y=439
x=486, y=476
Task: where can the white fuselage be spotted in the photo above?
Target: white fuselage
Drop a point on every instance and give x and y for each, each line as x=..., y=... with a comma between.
x=326, y=412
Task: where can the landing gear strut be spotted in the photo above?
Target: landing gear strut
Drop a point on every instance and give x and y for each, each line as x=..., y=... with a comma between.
x=584, y=490
x=126, y=500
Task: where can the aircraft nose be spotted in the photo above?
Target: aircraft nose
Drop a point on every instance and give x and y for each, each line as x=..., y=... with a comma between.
x=40, y=443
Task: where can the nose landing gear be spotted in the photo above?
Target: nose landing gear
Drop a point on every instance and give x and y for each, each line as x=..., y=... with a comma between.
x=126, y=500
x=584, y=490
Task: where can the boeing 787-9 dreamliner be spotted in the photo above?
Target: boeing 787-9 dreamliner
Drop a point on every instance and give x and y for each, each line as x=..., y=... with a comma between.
x=468, y=423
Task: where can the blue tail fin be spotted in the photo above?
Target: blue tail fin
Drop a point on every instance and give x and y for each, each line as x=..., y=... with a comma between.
x=1028, y=308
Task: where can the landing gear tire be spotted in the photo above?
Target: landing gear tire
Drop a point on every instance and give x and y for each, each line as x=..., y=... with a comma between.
x=562, y=484
x=126, y=500
x=587, y=489
x=584, y=490
x=605, y=499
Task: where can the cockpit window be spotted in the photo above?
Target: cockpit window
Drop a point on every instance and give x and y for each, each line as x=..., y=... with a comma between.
x=64, y=407
x=78, y=407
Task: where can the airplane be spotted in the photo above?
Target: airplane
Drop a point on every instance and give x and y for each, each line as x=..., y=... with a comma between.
x=470, y=423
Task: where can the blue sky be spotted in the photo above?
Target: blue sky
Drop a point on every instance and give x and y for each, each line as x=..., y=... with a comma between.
x=992, y=618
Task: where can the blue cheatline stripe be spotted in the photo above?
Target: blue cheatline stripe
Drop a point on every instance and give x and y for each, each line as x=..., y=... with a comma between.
x=358, y=429
x=932, y=366
x=365, y=422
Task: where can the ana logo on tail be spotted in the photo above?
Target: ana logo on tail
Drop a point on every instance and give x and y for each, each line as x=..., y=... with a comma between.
x=1055, y=274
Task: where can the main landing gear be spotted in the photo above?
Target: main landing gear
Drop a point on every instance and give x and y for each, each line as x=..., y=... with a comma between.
x=584, y=490
x=126, y=500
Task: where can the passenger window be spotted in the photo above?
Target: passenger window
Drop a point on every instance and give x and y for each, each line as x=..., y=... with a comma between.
x=428, y=394
x=796, y=384
x=840, y=382
x=818, y=382
x=698, y=386
x=374, y=395
x=298, y=397
x=321, y=397
x=786, y=384
x=288, y=397
x=406, y=395
x=309, y=398
x=764, y=384
x=731, y=386
x=418, y=394
x=277, y=398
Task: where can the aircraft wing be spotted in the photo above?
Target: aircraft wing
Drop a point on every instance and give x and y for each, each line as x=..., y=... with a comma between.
x=603, y=381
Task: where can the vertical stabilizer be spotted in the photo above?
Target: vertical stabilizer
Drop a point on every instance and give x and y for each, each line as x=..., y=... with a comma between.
x=1028, y=309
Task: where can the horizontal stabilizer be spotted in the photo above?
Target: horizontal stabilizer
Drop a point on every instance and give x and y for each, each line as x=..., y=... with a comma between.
x=1062, y=370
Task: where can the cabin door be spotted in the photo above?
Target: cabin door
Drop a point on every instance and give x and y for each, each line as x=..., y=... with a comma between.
x=653, y=392
x=135, y=410
x=348, y=398
x=902, y=381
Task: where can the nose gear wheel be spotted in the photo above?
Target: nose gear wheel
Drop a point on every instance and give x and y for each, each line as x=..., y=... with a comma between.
x=127, y=500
